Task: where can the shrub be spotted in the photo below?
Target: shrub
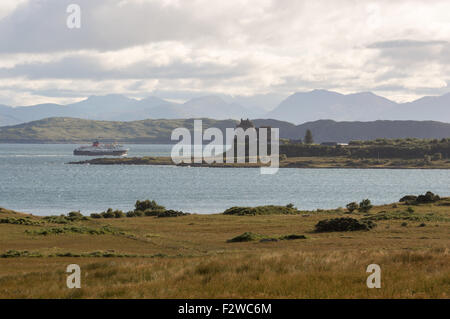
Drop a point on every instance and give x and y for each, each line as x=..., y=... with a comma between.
x=171, y=213
x=73, y=229
x=403, y=215
x=131, y=213
x=365, y=205
x=410, y=210
x=63, y=219
x=436, y=157
x=404, y=224
x=151, y=212
x=110, y=213
x=19, y=221
x=292, y=237
x=261, y=210
x=75, y=215
x=343, y=224
x=245, y=237
x=408, y=198
x=139, y=213
x=20, y=253
x=429, y=197
x=352, y=206
x=118, y=214
x=148, y=205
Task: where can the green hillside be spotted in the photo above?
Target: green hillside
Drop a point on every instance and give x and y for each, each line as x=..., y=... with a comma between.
x=64, y=130
x=74, y=130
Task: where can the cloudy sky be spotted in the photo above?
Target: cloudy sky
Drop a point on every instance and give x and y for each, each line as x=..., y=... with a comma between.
x=178, y=49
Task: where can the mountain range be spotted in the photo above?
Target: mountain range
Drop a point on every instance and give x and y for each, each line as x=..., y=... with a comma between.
x=297, y=108
x=114, y=107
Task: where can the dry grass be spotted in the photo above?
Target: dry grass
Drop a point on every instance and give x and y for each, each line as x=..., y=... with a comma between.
x=199, y=262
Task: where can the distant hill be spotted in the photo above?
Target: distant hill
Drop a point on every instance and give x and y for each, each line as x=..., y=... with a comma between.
x=65, y=130
x=321, y=104
x=298, y=108
x=115, y=107
x=327, y=130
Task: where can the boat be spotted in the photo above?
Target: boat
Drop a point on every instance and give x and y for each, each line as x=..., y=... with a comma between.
x=98, y=149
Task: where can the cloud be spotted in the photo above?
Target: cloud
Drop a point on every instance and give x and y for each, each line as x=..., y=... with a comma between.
x=405, y=43
x=237, y=47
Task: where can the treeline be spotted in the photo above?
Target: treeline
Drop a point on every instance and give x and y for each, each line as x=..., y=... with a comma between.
x=380, y=148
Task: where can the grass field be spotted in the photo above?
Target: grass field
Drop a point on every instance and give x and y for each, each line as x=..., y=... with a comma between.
x=190, y=256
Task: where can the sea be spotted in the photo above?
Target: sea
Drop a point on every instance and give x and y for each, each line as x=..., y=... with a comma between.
x=35, y=178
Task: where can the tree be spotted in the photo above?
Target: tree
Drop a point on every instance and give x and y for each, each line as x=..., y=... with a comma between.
x=365, y=206
x=436, y=157
x=308, y=137
x=352, y=207
x=147, y=205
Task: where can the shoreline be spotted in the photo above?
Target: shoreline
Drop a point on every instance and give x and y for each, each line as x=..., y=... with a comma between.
x=294, y=162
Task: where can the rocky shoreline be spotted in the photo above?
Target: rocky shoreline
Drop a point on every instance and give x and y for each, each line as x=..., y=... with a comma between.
x=294, y=162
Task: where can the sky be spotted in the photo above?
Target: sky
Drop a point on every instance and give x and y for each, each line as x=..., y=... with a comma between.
x=178, y=49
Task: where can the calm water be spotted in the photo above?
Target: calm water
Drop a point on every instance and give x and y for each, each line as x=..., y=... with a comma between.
x=35, y=179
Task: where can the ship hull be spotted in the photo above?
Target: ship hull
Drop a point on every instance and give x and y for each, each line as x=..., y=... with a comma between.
x=96, y=153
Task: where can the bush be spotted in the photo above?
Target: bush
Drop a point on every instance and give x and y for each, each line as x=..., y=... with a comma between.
x=436, y=157
x=403, y=215
x=365, y=206
x=171, y=213
x=108, y=214
x=261, y=210
x=343, y=224
x=429, y=197
x=148, y=205
x=75, y=215
x=245, y=237
x=292, y=237
x=131, y=213
x=408, y=198
x=19, y=221
x=138, y=213
x=155, y=212
x=410, y=210
x=352, y=206
x=63, y=219
x=20, y=253
x=118, y=214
